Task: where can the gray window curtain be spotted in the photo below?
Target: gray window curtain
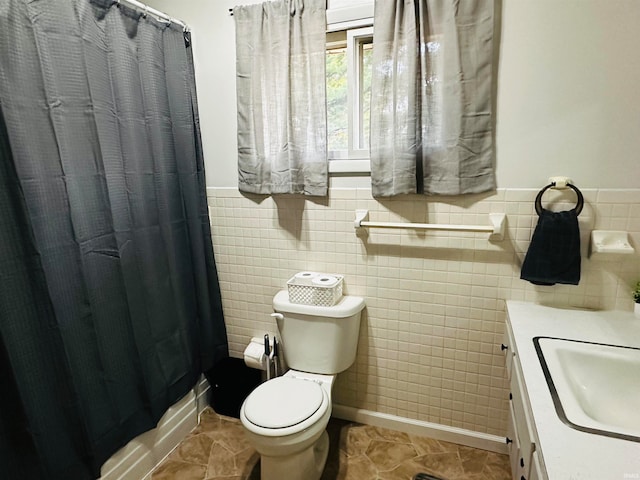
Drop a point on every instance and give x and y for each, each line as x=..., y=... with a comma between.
x=282, y=126
x=431, y=120
x=110, y=306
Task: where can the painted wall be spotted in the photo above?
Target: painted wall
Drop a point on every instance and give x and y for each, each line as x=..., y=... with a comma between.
x=567, y=102
x=429, y=348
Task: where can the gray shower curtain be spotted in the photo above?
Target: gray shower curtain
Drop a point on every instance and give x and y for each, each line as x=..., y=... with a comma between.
x=109, y=299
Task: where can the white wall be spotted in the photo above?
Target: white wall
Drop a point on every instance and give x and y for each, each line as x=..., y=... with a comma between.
x=568, y=96
x=568, y=100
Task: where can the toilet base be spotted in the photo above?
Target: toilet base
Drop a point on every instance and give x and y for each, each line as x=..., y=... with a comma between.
x=305, y=465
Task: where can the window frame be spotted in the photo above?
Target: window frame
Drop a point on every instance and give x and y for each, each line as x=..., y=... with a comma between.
x=353, y=160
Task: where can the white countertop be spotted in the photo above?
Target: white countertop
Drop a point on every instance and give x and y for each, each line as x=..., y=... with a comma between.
x=569, y=454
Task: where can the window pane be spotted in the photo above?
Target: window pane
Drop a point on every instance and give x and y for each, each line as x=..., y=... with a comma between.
x=337, y=115
x=365, y=93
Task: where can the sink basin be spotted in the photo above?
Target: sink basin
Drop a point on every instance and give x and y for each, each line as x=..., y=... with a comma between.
x=595, y=387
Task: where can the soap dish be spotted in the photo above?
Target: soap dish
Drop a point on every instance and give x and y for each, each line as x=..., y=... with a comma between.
x=607, y=241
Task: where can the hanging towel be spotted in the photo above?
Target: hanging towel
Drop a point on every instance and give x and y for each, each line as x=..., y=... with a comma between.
x=554, y=253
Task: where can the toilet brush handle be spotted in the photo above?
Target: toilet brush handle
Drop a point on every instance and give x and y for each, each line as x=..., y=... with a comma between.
x=275, y=357
x=267, y=355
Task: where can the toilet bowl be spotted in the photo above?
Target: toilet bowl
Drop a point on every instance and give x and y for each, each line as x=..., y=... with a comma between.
x=285, y=418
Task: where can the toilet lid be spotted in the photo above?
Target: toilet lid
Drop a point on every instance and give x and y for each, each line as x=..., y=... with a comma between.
x=283, y=402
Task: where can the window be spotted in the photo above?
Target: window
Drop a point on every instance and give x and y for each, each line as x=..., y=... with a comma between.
x=349, y=55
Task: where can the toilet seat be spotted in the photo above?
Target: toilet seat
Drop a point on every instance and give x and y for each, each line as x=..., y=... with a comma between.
x=283, y=402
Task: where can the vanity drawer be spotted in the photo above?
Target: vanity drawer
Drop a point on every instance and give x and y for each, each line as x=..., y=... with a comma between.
x=513, y=444
x=536, y=472
x=508, y=348
x=523, y=423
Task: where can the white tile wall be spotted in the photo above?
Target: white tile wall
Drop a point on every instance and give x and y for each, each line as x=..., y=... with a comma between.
x=429, y=346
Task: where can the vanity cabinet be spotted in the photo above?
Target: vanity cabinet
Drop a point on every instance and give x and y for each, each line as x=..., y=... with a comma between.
x=541, y=444
x=526, y=463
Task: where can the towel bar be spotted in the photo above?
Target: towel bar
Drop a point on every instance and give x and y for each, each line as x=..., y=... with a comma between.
x=496, y=229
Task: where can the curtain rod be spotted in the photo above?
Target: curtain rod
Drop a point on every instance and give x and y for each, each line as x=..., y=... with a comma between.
x=326, y=6
x=146, y=9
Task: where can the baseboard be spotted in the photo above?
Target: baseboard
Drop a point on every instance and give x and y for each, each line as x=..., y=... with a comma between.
x=141, y=455
x=460, y=436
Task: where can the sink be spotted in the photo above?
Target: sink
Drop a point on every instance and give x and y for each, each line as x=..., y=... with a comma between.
x=595, y=387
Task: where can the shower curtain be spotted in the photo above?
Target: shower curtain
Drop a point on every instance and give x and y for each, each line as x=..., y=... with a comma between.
x=109, y=299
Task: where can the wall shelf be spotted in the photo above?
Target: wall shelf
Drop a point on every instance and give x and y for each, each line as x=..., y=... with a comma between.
x=610, y=242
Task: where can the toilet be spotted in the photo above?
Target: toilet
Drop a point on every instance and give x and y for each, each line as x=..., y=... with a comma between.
x=285, y=418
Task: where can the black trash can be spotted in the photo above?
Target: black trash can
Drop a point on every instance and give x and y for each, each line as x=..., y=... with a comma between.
x=231, y=382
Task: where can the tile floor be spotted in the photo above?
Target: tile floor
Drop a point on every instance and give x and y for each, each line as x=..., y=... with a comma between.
x=217, y=450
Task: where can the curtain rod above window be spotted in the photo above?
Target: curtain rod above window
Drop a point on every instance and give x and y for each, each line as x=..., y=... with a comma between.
x=146, y=9
x=231, y=9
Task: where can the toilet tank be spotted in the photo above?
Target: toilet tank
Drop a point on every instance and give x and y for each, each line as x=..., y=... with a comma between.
x=319, y=339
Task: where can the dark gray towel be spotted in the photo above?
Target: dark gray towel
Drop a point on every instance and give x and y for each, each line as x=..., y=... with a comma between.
x=554, y=253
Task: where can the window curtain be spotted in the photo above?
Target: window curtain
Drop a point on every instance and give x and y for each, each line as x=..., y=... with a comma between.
x=280, y=81
x=431, y=120
x=110, y=306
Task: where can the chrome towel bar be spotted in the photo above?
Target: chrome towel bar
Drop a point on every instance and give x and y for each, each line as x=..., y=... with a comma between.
x=496, y=229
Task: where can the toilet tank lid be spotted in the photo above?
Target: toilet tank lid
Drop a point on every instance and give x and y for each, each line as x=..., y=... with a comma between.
x=347, y=306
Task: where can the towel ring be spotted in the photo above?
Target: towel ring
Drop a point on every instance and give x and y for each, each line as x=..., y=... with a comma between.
x=577, y=208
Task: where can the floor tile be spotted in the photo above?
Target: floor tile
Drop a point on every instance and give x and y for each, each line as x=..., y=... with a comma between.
x=218, y=450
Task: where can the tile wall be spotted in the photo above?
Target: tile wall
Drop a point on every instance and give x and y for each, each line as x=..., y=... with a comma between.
x=429, y=347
